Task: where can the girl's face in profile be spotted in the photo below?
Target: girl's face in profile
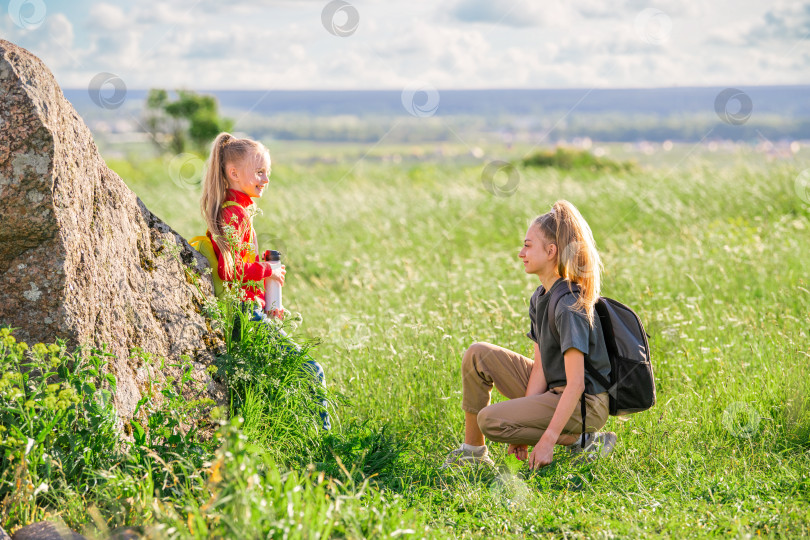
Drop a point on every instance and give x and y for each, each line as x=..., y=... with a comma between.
x=535, y=253
x=251, y=176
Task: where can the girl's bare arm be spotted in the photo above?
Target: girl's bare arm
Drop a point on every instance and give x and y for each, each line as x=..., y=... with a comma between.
x=537, y=379
x=575, y=384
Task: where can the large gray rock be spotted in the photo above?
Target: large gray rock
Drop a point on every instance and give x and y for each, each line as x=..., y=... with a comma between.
x=81, y=257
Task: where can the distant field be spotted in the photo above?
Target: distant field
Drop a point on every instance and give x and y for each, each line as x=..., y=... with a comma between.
x=398, y=267
x=630, y=114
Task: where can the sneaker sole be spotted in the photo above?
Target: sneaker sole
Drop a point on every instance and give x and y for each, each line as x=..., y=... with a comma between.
x=464, y=462
x=590, y=453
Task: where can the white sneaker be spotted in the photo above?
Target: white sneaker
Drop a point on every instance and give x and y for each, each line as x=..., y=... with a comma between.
x=461, y=456
x=596, y=445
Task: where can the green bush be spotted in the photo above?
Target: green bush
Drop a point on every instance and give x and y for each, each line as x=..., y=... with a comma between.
x=58, y=432
x=57, y=423
x=571, y=159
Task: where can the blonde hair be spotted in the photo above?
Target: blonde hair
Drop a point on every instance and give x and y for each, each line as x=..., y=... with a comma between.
x=226, y=150
x=577, y=258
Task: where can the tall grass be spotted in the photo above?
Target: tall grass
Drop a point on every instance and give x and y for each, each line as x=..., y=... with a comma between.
x=395, y=270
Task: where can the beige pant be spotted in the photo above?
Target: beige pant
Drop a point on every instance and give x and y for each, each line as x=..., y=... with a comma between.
x=521, y=420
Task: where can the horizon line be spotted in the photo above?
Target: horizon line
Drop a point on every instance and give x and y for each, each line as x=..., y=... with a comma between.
x=504, y=89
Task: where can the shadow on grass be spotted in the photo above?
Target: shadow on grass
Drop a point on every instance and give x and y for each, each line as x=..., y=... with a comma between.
x=360, y=452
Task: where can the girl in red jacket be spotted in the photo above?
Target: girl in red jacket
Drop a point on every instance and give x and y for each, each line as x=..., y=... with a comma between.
x=238, y=172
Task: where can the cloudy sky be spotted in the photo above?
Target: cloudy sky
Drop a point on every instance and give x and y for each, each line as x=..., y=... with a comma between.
x=375, y=44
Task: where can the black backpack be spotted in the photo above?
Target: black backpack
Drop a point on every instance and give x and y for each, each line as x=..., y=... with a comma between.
x=630, y=385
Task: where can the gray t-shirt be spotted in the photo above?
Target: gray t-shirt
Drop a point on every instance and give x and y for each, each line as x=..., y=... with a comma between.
x=574, y=331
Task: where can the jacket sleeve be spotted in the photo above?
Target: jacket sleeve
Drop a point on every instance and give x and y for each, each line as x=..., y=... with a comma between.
x=256, y=271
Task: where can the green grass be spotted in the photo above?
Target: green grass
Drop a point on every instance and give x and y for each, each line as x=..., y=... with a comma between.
x=396, y=269
x=713, y=259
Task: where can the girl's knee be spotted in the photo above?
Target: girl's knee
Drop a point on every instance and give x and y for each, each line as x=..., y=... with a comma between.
x=499, y=428
x=476, y=350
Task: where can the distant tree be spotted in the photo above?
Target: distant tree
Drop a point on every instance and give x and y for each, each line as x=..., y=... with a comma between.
x=188, y=123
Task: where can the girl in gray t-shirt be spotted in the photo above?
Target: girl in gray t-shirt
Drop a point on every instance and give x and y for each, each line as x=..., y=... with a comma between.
x=550, y=395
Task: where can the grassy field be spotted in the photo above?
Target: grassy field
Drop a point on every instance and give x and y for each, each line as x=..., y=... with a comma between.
x=397, y=268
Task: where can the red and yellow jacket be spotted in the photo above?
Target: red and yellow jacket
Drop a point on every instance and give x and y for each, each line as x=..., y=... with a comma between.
x=247, y=267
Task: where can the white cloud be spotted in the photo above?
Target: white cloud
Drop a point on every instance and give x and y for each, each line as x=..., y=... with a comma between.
x=282, y=44
x=61, y=30
x=53, y=42
x=674, y=8
x=783, y=23
x=119, y=49
x=520, y=13
x=734, y=34
x=599, y=9
x=107, y=17
x=161, y=13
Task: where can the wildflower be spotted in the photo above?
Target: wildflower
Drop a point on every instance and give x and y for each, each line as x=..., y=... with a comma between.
x=215, y=475
x=53, y=348
x=40, y=349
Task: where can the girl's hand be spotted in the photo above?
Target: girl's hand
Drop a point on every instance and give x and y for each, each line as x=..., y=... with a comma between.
x=278, y=314
x=519, y=450
x=279, y=274
x=542, y=454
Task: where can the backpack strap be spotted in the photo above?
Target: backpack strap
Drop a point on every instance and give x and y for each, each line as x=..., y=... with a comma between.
x=596, y=375
x=225, y=205
x=552, y=325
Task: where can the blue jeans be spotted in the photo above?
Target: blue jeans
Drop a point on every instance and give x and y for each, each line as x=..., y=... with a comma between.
x=310, y=366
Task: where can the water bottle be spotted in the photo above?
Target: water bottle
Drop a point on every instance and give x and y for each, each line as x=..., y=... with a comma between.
x=272, y=288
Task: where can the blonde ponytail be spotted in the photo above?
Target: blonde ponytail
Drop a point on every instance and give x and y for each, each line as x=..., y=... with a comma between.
x=577, y=258
x=227, y=149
